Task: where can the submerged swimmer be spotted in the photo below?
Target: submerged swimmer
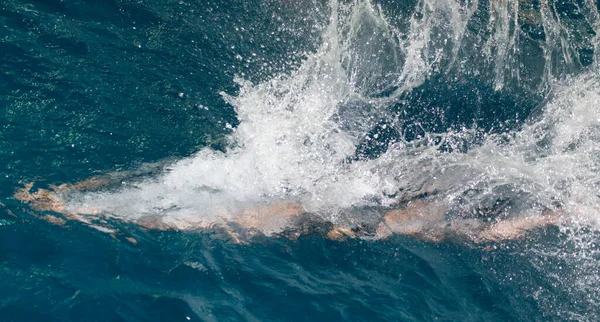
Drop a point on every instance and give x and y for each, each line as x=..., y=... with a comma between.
x=422, y=215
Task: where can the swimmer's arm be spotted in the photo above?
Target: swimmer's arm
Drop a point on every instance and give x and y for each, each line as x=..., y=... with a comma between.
x=268, y=219
x=41, y=200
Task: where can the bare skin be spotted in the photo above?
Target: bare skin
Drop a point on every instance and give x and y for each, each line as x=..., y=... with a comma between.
x=420, y=218
x=264, y=219
x=411, y=220
x=42, y=199
x=426, y=220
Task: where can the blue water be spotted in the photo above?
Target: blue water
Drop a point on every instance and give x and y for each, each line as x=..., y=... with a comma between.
x=90, y=87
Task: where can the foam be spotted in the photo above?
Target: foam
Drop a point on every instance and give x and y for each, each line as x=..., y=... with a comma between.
x=298, y=131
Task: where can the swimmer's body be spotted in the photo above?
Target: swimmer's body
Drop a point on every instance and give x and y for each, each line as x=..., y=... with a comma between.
x=424, y=217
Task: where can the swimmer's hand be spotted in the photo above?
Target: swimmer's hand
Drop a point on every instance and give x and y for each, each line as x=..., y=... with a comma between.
x=41, y=200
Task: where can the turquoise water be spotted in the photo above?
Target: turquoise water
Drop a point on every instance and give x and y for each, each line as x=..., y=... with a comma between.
x=94, y=87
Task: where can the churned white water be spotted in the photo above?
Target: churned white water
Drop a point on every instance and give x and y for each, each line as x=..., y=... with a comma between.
x=298, y=130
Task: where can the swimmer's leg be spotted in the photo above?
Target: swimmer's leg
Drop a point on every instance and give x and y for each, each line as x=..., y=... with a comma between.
x=516, y=228
x=340, y=233
x=420, y=218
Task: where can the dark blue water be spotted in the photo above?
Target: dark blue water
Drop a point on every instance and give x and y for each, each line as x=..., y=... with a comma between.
x=72, y=274
x=91, y=87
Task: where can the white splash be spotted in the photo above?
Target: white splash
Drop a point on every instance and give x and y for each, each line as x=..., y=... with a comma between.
x=297, y=131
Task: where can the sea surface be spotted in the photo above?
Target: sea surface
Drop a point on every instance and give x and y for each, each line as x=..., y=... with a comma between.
x=198, y=105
